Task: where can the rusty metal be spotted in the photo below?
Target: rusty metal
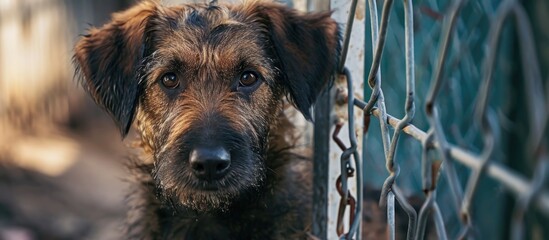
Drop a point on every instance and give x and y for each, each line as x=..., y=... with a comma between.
x=347, y=171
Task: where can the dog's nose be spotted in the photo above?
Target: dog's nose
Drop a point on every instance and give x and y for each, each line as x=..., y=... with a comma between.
x=210, y=163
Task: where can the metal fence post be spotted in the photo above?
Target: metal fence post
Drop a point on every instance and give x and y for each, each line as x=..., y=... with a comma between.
x=327, y=153
x=321, y=165
x=322, y=125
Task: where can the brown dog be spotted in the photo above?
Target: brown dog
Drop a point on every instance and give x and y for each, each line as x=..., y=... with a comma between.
x=205, y=84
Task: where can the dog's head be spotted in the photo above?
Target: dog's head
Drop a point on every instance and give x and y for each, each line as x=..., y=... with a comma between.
x=205, y=83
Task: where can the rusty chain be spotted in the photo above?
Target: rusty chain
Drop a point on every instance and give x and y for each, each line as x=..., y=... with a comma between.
x=348, y=171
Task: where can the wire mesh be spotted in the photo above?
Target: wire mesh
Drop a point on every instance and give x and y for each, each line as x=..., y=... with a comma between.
x=443, y=154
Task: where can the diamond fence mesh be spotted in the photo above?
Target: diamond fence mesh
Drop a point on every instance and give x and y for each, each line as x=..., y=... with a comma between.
x=455, y=110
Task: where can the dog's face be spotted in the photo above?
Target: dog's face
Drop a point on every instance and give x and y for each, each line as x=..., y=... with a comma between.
x=205, y=84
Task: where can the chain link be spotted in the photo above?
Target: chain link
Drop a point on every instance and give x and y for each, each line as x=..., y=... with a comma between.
x=438, y=155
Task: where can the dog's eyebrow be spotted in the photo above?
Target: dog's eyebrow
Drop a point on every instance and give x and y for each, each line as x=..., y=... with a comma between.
x=154, y=65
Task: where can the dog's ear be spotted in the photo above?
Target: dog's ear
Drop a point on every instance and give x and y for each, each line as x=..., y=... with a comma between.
x=307, y=47
x=107, y=59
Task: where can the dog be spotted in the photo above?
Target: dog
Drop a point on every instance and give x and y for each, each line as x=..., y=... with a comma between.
x=205, y=85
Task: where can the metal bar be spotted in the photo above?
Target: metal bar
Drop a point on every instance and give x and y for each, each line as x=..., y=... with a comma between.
x=423, y=213
x=372, y=6
x=513, y=181
x=378, y=42
x=391, y=215
x=412, y=214
x=430, y=110
x=540, y=177
x=347, y=36
x=439, y=223
x=345, y=161
x=510, y=179
x=409, y=106
x=374, y=81
x=443, y=52
x=321, y=164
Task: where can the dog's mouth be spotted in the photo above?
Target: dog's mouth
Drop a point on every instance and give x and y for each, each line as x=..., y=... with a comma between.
x=208, y=186
x=215, y=196
x=219, y=194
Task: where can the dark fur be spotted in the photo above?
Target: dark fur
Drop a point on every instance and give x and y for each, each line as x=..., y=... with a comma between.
x=266, y=193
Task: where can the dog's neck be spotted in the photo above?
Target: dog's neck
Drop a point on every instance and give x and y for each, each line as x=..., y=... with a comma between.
x=282, y=142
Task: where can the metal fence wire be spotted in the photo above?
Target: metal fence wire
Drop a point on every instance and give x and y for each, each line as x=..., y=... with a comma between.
x=440, y=158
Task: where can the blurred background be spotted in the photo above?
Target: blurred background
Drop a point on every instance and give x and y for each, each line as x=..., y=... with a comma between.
x=62, y=161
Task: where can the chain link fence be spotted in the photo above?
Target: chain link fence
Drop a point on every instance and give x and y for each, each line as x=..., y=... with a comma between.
x=463, y=103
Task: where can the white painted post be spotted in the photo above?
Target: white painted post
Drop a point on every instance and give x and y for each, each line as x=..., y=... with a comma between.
x=355, y=63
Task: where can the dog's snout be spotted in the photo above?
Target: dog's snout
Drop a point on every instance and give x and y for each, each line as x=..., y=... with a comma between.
x=210, y=163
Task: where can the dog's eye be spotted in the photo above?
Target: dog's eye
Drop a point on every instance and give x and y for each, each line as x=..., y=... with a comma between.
x=248, y=78
x=169, y=80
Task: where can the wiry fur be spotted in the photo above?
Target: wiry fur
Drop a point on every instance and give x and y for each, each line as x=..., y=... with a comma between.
x=266, y=192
